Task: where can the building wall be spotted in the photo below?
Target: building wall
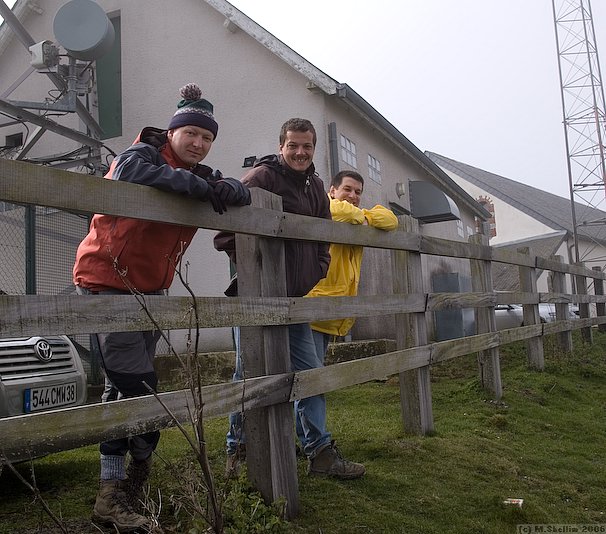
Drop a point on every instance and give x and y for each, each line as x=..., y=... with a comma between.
x=253, y=93
x=527, y=227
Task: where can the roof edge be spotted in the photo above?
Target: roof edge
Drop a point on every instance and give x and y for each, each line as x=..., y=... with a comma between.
x=355, y=100
x=562, y=234
x=20, y=10
x=274, y=45
x=459, y=168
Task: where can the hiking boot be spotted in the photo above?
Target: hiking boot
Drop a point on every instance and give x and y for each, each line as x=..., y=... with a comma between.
x=111, y=508
x=234, y=461
x=137, y=473
x=328, y=461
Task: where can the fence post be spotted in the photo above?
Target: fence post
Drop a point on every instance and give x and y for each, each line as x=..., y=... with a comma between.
x=411, y=331
x=581, y=282
x=558, y=284
x=488, y=360
x=528, y=284
x=598, y=289
x=270, y=450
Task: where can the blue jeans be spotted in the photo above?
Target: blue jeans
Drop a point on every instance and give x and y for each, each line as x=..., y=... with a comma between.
x=321, y=341
x=310, y=413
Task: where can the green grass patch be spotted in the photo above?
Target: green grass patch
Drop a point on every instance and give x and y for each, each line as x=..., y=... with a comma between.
x=542, y=442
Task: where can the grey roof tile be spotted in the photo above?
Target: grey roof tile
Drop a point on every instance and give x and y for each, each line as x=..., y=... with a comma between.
x=550, y=209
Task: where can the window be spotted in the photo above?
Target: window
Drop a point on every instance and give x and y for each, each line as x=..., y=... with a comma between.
x=109, y=87
x=348, y=152
x=374, y=169
x=460, y=228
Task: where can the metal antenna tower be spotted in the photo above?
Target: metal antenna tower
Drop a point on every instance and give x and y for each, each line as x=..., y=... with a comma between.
x=583, y=109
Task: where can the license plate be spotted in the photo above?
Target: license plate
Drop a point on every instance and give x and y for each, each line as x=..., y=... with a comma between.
x=49, y=397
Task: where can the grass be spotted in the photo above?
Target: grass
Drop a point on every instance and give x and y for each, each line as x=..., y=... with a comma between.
x=542, y=442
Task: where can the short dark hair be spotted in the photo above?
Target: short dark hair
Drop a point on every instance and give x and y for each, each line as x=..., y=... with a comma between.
x=297, y=125
x=338, y=178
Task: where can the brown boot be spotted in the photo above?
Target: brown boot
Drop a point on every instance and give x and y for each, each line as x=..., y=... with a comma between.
x=111, y=508
x=137, y=473
x=329, y=462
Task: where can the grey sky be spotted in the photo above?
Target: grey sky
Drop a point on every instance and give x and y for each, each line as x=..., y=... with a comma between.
x=474, y=80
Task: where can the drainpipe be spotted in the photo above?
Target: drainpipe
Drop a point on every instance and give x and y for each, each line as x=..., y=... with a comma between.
x=333, y=149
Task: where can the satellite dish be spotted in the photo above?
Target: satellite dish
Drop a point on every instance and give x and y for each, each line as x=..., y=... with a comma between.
x=83, y=29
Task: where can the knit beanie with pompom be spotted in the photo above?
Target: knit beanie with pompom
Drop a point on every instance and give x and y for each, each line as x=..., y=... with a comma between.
x=194, y=110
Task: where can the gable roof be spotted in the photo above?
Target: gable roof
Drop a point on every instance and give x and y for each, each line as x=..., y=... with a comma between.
x=552, y=210
x=318, y=79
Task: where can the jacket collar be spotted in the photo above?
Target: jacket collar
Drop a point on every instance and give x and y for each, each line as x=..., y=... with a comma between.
x=277, y=162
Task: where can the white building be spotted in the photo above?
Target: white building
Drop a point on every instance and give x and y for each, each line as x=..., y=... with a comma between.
x=255, y=83
x=524, y=216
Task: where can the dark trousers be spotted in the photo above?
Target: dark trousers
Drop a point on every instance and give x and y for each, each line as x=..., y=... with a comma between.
x=128, y=362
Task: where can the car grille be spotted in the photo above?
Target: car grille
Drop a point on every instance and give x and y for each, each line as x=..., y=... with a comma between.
x=18, y=358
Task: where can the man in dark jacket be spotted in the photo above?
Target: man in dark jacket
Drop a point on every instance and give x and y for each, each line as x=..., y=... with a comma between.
x=292, y=176
x=121, y=255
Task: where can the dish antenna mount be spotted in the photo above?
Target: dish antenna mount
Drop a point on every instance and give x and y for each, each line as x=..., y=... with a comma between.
x=83, y=29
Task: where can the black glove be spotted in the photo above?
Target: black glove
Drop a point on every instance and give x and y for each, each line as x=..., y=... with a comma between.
x=226, y=192
x=213, y=198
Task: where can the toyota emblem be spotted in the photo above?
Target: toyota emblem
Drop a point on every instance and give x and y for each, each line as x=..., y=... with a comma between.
x=43, y=350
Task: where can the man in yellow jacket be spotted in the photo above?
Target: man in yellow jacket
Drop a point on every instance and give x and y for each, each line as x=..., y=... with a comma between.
x=343, y=275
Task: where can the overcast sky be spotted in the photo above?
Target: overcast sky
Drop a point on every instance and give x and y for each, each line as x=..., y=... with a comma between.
x=473, y=80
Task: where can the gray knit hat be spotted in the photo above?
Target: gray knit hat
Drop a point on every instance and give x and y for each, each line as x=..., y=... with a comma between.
x=194, y=110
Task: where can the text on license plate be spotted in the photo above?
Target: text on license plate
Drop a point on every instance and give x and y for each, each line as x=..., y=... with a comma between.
x=49, y=397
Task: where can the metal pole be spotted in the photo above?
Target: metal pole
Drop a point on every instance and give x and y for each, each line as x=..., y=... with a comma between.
x=30, y=250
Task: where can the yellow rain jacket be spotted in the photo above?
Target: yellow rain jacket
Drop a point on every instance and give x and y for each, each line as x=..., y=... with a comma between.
x=343, y=274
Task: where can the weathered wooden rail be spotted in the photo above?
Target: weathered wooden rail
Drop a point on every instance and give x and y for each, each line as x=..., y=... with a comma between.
x=263, y=311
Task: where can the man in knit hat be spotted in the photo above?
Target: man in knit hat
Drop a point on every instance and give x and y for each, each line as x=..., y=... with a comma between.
x=121, y=255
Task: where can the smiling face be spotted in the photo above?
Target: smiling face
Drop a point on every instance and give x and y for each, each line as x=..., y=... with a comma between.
x=350, y=190
x=298, y=150
x=190, y=143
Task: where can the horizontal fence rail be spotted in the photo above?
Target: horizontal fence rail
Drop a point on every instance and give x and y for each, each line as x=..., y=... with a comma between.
x=75, y=427
x=26, y=315
x=23, y=183
x=264, y=312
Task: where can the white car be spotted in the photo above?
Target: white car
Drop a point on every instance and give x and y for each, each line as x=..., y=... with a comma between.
x=512, y=315
x=40, y=373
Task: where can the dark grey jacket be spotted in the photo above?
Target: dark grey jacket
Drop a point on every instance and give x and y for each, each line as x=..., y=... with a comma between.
x=303, y=193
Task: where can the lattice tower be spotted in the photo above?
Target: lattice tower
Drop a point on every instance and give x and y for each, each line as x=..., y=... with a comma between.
x=584, y=118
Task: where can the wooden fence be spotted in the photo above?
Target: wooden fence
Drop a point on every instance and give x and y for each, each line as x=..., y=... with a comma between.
x=264, y=312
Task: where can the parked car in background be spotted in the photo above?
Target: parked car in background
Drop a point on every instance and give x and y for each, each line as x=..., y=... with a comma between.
x=40, y=373
x=512, y=315
x=508, y=316
x=548, y=310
